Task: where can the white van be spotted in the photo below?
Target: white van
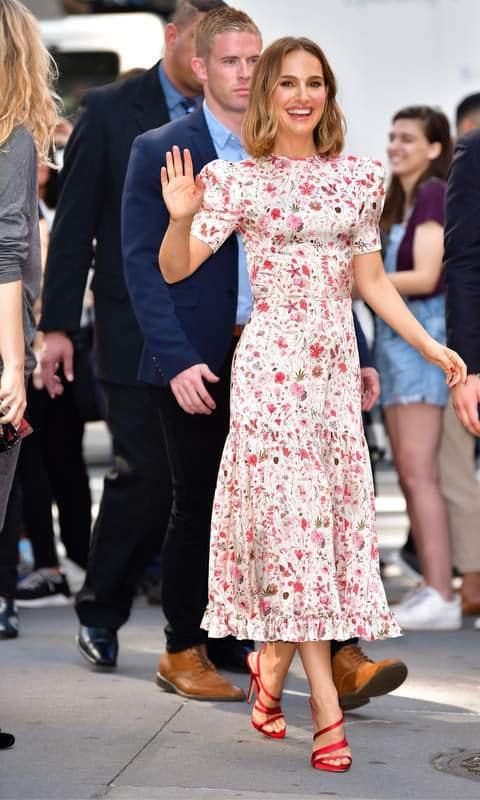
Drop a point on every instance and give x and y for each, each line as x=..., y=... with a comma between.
x=94, y=49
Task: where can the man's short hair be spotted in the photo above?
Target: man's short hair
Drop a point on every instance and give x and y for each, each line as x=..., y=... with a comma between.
x=187, y=10
x=224, y=19
x=469, y=106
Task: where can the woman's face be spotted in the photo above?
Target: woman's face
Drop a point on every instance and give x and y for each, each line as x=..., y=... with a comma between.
x=409, y=150
x=299, y=98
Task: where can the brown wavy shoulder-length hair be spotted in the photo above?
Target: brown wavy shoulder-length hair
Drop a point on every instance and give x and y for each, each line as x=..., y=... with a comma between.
x=27, y=74
x=260, y=124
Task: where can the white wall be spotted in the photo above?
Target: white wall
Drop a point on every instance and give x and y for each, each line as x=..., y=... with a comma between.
x=385, y=54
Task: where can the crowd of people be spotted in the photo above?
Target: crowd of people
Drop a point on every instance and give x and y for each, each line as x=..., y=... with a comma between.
x=230, y=369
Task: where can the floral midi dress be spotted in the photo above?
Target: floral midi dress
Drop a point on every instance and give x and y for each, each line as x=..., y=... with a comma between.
x=293, y=552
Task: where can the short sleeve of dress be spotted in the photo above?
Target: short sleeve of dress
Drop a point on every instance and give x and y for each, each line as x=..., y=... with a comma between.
x=371, y=177
x=218, y=216
x=430, y=202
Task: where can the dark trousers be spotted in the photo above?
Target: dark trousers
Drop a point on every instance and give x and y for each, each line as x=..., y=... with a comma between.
x=134, y=510
x=194, y=445
x=9, y=536
x=51, y=466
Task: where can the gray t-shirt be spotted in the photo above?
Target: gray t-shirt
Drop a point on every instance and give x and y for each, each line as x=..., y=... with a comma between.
x=19, y=233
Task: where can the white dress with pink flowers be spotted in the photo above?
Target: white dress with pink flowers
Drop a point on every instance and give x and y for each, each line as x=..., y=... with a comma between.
x=293, y=552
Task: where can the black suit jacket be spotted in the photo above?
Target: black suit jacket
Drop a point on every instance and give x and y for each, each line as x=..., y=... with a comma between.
x=462, y=251
x=89, y=209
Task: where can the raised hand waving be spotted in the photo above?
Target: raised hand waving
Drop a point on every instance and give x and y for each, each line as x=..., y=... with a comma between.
x=182, y=192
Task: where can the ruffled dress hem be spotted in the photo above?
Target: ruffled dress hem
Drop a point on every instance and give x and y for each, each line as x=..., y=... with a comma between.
x=284, y=629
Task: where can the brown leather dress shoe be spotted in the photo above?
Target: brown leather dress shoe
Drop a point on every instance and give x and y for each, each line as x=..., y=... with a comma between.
x=471, y=593
x=191, y=674
x=357, y=677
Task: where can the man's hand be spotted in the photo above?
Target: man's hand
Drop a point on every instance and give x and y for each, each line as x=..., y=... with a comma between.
x=190, y=392
x=57, y=350
x=466, y=400
x=12, y=396
x=370, y=387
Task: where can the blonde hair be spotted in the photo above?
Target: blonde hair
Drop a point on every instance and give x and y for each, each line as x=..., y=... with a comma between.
x=221, y=20
x=260, y=125
x=27, y=72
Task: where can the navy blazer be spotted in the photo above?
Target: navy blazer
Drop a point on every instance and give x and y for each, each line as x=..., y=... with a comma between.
x=462, y=251
x=189, y=322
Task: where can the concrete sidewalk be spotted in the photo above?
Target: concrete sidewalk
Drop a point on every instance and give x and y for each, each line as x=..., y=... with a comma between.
x=85, y=734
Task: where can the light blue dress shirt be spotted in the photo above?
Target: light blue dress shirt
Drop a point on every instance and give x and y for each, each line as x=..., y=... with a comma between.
x=229, y=148
x=177, y=107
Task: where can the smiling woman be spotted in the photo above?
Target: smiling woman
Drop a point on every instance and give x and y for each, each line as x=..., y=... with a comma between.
x=414, y=393
x=293, y=551
x=293, y=97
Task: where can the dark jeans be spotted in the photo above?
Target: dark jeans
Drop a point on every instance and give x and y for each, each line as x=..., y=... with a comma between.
x=9, y=536
x=134, y=510
x=194, y=445
x=51, y=467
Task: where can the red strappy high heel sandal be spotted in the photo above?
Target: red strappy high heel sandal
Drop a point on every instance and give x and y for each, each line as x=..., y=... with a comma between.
x=272, y=713
x=322, y=757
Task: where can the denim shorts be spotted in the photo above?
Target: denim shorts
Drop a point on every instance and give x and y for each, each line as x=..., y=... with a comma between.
x=405, y=377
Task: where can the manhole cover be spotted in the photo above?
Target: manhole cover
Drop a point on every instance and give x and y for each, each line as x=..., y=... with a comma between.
x=461, y=762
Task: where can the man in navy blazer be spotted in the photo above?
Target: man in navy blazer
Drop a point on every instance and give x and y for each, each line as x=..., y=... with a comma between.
x=190, y=330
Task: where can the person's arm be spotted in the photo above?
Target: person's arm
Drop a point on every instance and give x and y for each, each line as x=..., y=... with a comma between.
x=427, y=262
x=17, y=161
x=462, y=274
x=200, y=221
x=379, y=293
x=70, y=252
x=377, y=290
x=427, y=220
x=12, y=352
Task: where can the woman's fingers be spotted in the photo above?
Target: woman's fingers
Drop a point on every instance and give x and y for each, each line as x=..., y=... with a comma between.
x=170, y=166
x=163, y=178
x=177, y=162
x=187, y=164
x=455, y=367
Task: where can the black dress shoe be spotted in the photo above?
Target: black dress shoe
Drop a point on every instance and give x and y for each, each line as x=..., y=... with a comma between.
x=6, y=740
x=8, y=618
x=98, y=645
x=229, y=653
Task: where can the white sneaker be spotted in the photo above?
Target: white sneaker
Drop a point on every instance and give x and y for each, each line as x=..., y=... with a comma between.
x=426, y=609
x=476, y=624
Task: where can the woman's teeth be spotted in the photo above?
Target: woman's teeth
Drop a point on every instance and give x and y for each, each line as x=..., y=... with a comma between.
x=300, y=112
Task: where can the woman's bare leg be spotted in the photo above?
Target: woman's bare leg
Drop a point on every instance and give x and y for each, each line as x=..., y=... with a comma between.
x=316, y=659
x=273, y=663
x=414, y=430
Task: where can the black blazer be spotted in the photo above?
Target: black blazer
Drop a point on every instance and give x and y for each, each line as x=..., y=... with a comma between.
x=462, y=251
x=92, y=179
x=192, y=321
